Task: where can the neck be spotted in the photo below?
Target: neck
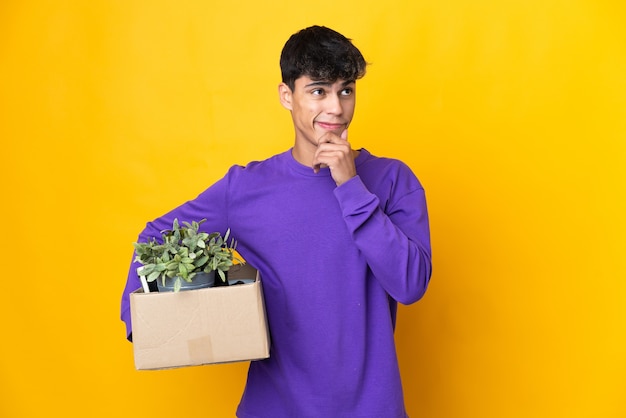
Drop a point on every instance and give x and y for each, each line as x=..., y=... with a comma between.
x=304, y=154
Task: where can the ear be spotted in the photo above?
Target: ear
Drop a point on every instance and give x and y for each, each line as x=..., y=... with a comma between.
x=285, y=95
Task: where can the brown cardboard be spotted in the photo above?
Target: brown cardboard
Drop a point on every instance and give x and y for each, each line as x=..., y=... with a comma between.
x=204, y=326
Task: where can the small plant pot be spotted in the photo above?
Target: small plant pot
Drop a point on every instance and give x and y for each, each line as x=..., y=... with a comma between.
x=199, y=281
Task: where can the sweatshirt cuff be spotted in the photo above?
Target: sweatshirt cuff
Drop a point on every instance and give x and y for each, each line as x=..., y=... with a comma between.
x=353, y=195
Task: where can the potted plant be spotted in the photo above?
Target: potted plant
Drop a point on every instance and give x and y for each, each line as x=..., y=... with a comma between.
x=186, y=258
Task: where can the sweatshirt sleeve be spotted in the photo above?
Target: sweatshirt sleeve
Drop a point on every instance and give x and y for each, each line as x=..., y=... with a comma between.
x=210, y=205
x=395, y=241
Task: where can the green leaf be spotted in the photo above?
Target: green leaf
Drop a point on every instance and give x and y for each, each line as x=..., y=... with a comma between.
x=201, y=261
x=145, y=270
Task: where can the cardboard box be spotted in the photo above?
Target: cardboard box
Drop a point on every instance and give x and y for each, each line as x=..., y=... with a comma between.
x=204, y=326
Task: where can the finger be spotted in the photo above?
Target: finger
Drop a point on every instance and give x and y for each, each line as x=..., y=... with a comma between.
x=332, y=138
x=327, y=138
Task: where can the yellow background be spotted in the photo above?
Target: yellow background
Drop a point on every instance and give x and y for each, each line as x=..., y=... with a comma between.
x=512, y=113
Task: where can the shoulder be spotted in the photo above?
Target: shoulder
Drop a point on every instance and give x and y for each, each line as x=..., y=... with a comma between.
x=269, y=166
x=369, y=160
x=375, y=169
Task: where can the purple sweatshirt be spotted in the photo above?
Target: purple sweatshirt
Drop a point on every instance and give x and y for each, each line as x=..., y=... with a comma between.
x=334, y=261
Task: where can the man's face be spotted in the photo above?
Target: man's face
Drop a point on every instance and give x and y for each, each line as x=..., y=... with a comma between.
x=318, y=107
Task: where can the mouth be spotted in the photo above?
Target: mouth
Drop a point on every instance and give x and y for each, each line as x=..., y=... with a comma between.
x=329, y=126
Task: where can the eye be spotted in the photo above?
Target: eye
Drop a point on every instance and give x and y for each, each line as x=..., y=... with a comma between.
x=347, y=91
x=317, y=92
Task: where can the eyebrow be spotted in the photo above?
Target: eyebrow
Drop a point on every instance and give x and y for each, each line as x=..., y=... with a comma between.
x=328, y=83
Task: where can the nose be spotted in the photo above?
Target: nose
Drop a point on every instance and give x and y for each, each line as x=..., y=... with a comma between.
x=334, y=106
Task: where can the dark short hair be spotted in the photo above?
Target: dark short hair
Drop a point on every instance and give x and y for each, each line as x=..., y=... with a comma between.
x=322, y=54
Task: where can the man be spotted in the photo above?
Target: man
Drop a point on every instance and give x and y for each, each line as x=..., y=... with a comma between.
x=338, y=235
